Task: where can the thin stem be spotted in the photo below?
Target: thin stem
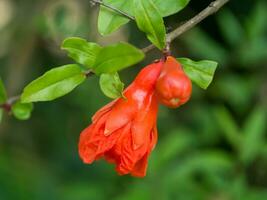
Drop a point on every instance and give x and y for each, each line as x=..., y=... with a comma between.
x=211, y=9
x=113, y=9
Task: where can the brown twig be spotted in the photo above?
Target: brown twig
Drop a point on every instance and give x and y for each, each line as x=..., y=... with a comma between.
x=100, y=2
x=211, y=9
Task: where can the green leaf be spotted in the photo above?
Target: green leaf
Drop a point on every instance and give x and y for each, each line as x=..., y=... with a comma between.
x=81, y=51
x=1, y=114
x=169, y=7
x=253, y=139
x=3, y=96
x=22, y=111
x=149, y=20
x=109, y=20
x=53, y=84
x=116, y=57
x=200, y=72
x=111, y=85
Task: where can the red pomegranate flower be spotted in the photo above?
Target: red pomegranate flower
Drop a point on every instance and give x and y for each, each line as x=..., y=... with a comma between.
x=173, y=87
x=124, y=132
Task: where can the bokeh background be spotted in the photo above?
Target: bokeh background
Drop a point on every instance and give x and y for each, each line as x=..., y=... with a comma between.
x=213, y=148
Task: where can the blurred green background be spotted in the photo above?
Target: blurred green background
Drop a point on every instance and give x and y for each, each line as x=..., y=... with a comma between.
x=213, y=148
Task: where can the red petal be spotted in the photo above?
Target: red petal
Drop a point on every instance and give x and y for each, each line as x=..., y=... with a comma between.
x=114, y=154
x=129, y=156
x=122, y=112
x=140, y=167
x=102, y=111
x=87, y=151
x=144, y=121
x=93, y=143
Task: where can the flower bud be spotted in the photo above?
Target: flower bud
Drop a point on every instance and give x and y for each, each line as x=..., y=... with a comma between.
x=173, y=87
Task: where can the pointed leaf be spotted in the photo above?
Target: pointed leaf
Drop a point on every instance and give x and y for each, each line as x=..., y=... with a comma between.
x=22, y=111
x=109, y=20
x=149, y=20
x=53, y=84
x=3, y=95
x=81, y=51
x=116, y=57
x=111, y=85
x=200, y=72
x=169, y=7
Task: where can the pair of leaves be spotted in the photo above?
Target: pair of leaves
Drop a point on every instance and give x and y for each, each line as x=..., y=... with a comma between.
x=147, y=13
x=100, y=60
x=200, y=72
x=104, y=61
x=109, y=20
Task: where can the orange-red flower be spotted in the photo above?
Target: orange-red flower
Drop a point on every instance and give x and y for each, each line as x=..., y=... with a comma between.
x=124, y=132
x=173, y=87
